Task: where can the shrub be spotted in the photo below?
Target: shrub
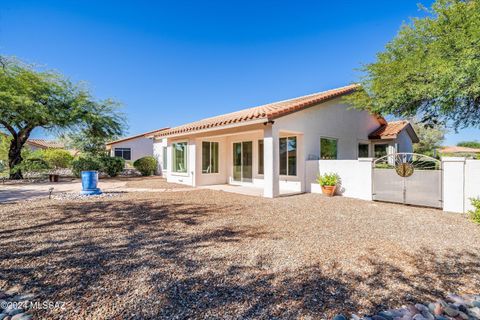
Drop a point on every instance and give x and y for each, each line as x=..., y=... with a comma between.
x=57, y=158
x=146, y=165
x=475, y=214
x=328, y=179
x=112, y=165
x=85, y=164
x=32, y=165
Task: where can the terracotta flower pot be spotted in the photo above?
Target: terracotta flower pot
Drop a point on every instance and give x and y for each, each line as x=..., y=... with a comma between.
x=329, y=190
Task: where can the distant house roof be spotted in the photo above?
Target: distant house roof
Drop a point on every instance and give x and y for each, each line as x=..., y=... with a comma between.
x=391, y=129
x=41, y=143
x=145, y=134
x=45, y=144
x=265, y=112
x=456, y=149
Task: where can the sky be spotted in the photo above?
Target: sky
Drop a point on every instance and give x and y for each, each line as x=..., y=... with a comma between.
x=173, y=62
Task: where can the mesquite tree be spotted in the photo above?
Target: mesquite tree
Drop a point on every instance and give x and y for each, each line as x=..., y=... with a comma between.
x=430, y=69
x=31, y=98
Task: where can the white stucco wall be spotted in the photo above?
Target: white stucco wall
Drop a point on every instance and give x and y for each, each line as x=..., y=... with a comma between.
x=333, y=119
x=140, y=147
x=460, y=183
x=404, y=142
x=472, y=182
x=355, y=175
x=158, y=154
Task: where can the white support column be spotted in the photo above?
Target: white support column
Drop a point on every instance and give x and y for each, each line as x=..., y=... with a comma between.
x=453, y=184
x=271, y=163
x=191, y=159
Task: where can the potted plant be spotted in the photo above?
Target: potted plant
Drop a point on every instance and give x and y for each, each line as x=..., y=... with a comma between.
x=328, y=182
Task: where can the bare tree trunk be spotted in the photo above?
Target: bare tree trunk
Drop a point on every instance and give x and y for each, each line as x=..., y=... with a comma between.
x=15, y=152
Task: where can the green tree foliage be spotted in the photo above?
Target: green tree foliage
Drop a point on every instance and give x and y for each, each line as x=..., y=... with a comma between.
x=146, y=165
x=431, y=138
x=469, y=144
x=31, y=98
x=431, y=68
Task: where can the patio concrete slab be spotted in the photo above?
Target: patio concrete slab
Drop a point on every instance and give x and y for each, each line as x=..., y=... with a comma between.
x=246, y=190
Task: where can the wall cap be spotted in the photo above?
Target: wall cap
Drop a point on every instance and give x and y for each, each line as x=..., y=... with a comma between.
x=454, y=159
x=365, y=159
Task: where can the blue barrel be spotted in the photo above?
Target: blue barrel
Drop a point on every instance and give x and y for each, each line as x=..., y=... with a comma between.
x=89, y=183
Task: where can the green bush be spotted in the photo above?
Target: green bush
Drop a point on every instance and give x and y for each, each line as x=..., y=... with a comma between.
x=112, y=165
x=57, y=158
x=146, y=165
x=85, y=164
x=32, y=165
x=475, y=214
x=328, y=179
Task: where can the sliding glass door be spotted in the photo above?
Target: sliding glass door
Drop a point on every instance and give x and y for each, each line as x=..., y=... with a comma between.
x=242, y=161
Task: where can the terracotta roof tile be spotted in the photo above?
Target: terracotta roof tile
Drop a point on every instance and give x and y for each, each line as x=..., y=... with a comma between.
x=265, y=112
x=390, y=130
x=456, y=149
x=46, y=143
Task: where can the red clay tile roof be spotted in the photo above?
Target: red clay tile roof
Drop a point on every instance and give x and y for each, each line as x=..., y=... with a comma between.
x=146, y=134
x=456, y=149
x=390, y=130
x=265, y=112
x=46, y=144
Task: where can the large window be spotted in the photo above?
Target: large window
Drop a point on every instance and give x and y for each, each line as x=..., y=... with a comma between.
x=260, y=156
x=363, y=150
x=380, y=150
x=288, y=156
x=179, y=151
x=125, y=153
x=209, y=157
x=164, y=157
x=328, y=148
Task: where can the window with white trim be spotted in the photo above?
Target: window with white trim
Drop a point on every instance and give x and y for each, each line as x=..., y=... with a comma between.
x=328, y=148
x=125, y=153
x=209, y=157
x=288, y=156
x=164, y=157
x=363, y=150
x=179, y=154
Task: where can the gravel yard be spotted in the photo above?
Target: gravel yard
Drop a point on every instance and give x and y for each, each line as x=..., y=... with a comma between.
x=211, y=254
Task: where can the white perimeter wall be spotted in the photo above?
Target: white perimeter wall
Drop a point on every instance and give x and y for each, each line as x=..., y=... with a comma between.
x=460, y=180
x=140, y=147
x=355, y=175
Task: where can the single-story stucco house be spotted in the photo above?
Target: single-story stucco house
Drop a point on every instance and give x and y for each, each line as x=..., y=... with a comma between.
x=267, y=146
x=133, y=147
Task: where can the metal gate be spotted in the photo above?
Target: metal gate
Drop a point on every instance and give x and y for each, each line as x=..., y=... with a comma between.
x=408, y=178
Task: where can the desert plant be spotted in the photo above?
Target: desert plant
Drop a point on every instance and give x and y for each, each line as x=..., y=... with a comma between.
x=328, y=179
x=85, y=164
x=32, y=165
x=475, y=213
x=112, y=166
x=57, y=158
x=146, y=165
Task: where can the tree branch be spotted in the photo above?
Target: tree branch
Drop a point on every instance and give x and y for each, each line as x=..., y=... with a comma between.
x=9, y=128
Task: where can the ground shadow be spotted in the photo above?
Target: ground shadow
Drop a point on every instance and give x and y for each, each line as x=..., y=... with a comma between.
x=155, y=259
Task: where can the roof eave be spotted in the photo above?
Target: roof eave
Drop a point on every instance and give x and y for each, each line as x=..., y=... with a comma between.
x=216, y=128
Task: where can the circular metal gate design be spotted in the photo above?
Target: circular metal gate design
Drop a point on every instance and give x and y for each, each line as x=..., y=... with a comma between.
x=408, y=178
